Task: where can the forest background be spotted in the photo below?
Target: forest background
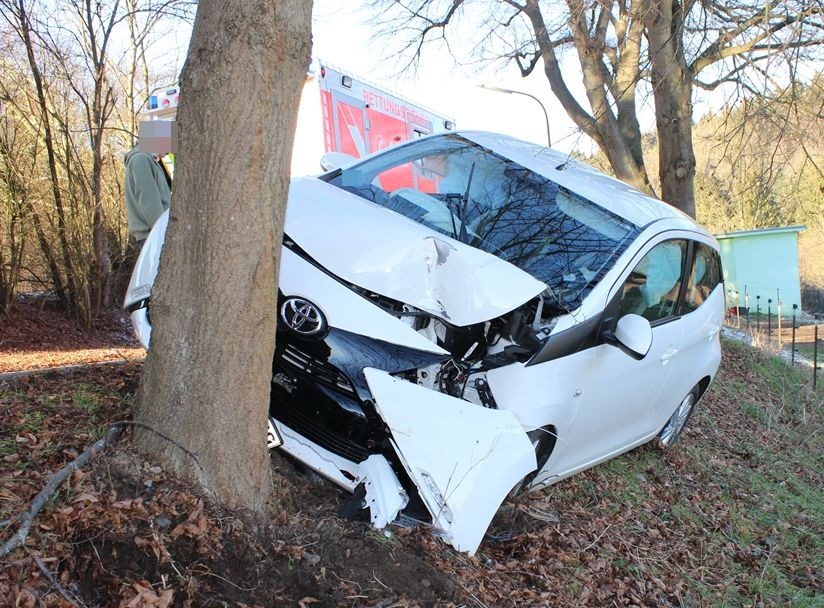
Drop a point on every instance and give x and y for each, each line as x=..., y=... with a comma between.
x=75, y=81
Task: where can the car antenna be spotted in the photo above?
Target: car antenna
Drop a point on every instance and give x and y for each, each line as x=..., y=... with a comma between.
x=563, y=165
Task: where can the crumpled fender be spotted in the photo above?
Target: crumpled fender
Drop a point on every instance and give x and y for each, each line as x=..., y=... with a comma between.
x=464, y=459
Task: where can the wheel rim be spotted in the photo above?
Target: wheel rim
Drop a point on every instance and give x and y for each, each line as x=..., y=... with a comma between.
x=677, y=421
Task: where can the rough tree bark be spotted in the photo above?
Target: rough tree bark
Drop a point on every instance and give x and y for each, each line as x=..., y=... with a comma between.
x=672, y=89
x=206, y=378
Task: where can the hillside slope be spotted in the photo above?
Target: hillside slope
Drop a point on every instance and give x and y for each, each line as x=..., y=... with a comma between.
x=733, y=516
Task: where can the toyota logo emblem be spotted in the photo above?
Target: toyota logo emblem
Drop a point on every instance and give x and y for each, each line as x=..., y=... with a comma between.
x=302, y=317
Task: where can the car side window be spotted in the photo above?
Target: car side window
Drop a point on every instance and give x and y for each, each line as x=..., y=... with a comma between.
x=652, y=288
x=704, y=275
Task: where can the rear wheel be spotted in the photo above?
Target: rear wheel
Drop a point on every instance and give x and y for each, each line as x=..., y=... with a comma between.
x=672, y=429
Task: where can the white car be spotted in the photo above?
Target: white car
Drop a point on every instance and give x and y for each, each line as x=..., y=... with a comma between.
x=468, y=315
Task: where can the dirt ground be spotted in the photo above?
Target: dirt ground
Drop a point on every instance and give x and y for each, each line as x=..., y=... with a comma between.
x=37, y=335
x=123, y=533
x=734, y=516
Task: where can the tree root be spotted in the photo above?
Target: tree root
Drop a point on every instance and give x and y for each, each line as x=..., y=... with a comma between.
x=27, y=517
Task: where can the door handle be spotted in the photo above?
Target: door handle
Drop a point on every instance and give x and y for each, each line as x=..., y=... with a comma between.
x=669, y=355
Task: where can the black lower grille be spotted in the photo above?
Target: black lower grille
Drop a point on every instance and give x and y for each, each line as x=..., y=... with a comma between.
x=312, y=424
x=317, y=399
x=322, y=372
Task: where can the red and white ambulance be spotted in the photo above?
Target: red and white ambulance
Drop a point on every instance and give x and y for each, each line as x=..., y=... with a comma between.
x=340, y=112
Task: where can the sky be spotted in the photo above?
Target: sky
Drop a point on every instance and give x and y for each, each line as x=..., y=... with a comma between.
x=343, y=38
x=442, y=86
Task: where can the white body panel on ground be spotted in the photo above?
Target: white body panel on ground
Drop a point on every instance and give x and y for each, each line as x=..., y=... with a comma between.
x=385, y=496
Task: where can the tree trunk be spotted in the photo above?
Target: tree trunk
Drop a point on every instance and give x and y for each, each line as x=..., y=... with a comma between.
x=672, y=88
x=207, y=376
x=611, y=134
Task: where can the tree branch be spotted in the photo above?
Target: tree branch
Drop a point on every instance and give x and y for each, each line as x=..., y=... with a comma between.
x=26, y=520
x=69, y=597
x=717, y=51
x=36, y=505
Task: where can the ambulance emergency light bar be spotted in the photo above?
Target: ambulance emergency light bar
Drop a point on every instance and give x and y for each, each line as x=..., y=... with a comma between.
x=164, y=104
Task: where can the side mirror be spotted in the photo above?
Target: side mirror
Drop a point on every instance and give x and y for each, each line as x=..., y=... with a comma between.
x=335, y=160
x=634, y=334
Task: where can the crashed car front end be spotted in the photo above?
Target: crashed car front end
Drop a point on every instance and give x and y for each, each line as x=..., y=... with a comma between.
x=405, y=281
x=419, y=307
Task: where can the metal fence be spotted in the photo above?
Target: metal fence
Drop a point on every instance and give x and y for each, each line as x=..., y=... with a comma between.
x=769, y=325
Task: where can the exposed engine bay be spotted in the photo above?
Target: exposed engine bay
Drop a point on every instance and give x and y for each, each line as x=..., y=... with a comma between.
x=475, y=349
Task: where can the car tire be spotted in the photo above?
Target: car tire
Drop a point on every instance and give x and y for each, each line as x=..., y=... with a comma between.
x=675, y=425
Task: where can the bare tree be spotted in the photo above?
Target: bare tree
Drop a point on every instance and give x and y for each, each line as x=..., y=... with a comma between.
x=206, y=380
x=624, y=47
x=16, y=13
x=14, y=205
x=68, y=82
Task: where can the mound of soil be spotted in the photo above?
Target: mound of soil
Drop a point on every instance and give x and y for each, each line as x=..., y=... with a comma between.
x=124, y=533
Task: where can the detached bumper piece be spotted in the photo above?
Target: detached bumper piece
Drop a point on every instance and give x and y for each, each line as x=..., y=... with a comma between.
x=463, y=459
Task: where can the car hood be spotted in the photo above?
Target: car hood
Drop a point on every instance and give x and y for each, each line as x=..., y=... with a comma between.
x=386, y=253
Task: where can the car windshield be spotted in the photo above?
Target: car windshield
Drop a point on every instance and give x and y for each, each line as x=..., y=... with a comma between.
x=463, y=190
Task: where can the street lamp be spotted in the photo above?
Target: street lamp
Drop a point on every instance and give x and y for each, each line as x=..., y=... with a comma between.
x=489, y=87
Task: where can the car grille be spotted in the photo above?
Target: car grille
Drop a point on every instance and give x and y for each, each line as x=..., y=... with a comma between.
x=309, y=406
x=318, y=370
x=310, y=425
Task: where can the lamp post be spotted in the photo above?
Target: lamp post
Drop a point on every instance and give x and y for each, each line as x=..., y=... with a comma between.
x=490, y=87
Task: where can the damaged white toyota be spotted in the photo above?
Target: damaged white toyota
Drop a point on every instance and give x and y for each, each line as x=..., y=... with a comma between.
x=466, y=316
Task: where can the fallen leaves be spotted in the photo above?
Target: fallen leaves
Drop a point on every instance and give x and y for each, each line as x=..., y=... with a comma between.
x=729, y=516
x=146, y=596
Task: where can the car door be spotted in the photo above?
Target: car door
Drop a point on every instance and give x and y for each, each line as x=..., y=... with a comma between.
x=700, y=311
x=615, y=404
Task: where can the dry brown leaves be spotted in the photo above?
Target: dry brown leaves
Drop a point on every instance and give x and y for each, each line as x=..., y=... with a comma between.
x=645, y=529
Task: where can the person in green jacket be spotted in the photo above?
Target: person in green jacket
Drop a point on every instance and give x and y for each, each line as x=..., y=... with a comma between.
x=148, y=192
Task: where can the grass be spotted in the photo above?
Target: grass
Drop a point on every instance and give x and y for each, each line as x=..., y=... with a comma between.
x=7, y=446
x=771, y=468
x=31, y=422
x=740, y=499
x=808, y=351
x=88, y=399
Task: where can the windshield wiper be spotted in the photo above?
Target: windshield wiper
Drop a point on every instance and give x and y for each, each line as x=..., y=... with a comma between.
x=465, y=205
x=461, y=210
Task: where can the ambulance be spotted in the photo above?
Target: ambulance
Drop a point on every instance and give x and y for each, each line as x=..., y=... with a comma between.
x=339, y=113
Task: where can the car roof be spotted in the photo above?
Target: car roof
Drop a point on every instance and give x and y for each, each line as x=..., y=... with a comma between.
x=582, y=179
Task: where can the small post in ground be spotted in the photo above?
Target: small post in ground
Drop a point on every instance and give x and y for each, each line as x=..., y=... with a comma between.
x=815, y=352
x=792, y=349
x=737, y=309
x=758, y=312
